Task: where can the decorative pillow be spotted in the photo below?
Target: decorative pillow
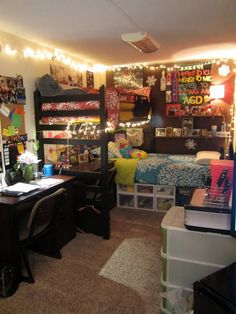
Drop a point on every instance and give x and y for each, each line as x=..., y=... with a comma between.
x=139, y=154
x=204, y=157
x=135, y=136
x=126, y=152
x=114, y=149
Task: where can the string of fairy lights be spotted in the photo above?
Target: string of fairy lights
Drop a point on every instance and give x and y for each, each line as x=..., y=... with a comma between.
x=93, y=129
x=57, y=55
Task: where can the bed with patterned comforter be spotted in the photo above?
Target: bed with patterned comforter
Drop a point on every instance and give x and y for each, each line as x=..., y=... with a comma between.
x=164, y=169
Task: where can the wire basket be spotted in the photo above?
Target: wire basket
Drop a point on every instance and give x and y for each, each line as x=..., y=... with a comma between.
x=8, y=281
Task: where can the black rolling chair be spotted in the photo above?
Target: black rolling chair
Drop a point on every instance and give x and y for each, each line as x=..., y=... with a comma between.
x=42, y=220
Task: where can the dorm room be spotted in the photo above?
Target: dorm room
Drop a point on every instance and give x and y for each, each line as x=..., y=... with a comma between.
x=135, y=163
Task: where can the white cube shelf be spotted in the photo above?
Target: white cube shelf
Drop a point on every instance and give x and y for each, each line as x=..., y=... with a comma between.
x=146, y=196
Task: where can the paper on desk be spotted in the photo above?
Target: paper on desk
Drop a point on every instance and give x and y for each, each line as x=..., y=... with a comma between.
x=21, y=187
x=48, y=181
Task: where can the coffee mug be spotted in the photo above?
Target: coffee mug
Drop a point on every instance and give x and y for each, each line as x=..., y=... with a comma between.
x=48, y=170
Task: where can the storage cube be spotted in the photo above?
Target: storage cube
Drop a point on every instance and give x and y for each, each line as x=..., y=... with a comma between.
x=145, y=202
x=164, y=204
x=125, y=200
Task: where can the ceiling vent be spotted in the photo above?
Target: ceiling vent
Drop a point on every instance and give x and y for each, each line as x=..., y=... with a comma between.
x=141, y=41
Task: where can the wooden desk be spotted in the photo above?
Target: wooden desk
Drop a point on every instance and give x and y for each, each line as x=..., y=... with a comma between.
x=11, y=207
x=85, y=168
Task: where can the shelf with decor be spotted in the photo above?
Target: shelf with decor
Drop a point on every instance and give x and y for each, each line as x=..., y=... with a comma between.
x=188, y=144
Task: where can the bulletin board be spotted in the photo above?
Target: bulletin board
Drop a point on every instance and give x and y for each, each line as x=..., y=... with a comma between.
x=12, y=99
x=12, y=120
x=12, y=115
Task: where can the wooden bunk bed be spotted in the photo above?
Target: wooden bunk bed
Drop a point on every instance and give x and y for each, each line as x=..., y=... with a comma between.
x=52, y=114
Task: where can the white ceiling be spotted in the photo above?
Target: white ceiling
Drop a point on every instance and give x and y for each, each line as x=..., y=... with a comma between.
x=91, y=29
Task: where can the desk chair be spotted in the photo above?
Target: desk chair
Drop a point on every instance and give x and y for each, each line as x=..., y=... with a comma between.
x=41, y=221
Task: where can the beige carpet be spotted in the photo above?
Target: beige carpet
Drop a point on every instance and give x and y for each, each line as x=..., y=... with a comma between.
x=120, y=275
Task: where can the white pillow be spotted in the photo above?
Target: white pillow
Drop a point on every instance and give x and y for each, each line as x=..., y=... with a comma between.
x=204, y=157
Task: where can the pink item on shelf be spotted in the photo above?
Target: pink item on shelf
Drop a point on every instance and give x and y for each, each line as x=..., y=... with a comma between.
x=221, y=172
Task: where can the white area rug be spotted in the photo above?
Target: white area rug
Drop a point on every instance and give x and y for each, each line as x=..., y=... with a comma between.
x=136, y=264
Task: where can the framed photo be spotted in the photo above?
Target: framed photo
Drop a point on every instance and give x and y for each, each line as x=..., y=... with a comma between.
x=187, y=126
x=204, y=132
x=197, y=132
x=173, y=109
x=119, y=136
x=160, y=132
x=73, y=159
x=177, y=131
x=169, y=131
x=83, y=158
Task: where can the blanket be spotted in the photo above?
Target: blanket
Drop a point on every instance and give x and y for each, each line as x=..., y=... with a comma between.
x=125, y=171
x=178, y=170
x=162, y=169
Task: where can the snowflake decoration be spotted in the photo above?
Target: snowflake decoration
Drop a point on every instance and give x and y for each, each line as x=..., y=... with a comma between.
x=190, y=143
x=151, y=80
x=224, y=70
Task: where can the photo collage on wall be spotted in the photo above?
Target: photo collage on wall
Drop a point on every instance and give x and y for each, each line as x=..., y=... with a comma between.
x=12, y=114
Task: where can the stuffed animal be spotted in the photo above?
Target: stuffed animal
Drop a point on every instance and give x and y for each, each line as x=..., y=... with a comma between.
x=123, y=143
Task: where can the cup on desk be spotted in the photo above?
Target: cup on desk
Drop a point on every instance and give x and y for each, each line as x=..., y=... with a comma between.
x=47, y=170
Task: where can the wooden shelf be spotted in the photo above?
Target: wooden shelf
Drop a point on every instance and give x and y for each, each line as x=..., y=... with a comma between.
x=192, y=136
x=192, y=116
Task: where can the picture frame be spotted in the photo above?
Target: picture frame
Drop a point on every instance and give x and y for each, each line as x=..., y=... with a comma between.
x=173, y=109
x=119, y=136
x=197, y=132
x=169, y=131
x=177, y=131
x=73, y=158
x=160, y=132
x=82, y=158
x=187, y=126
x=204, y=132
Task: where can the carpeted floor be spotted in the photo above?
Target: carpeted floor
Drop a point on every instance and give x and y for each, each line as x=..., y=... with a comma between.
x=120, y=275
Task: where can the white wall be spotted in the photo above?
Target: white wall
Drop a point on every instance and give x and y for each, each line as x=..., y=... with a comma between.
x=31, y=70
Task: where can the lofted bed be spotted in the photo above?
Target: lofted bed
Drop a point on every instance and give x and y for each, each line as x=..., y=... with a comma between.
x=53, y=114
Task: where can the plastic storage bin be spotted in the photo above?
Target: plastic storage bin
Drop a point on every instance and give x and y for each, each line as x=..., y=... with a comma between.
x=175, y=297
x=184, y=272
x=195, y=245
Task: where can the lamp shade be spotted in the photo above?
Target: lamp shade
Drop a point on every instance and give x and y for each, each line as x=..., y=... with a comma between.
x=217, y=91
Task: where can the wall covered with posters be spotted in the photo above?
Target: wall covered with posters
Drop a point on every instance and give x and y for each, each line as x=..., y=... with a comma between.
x=179, y=90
